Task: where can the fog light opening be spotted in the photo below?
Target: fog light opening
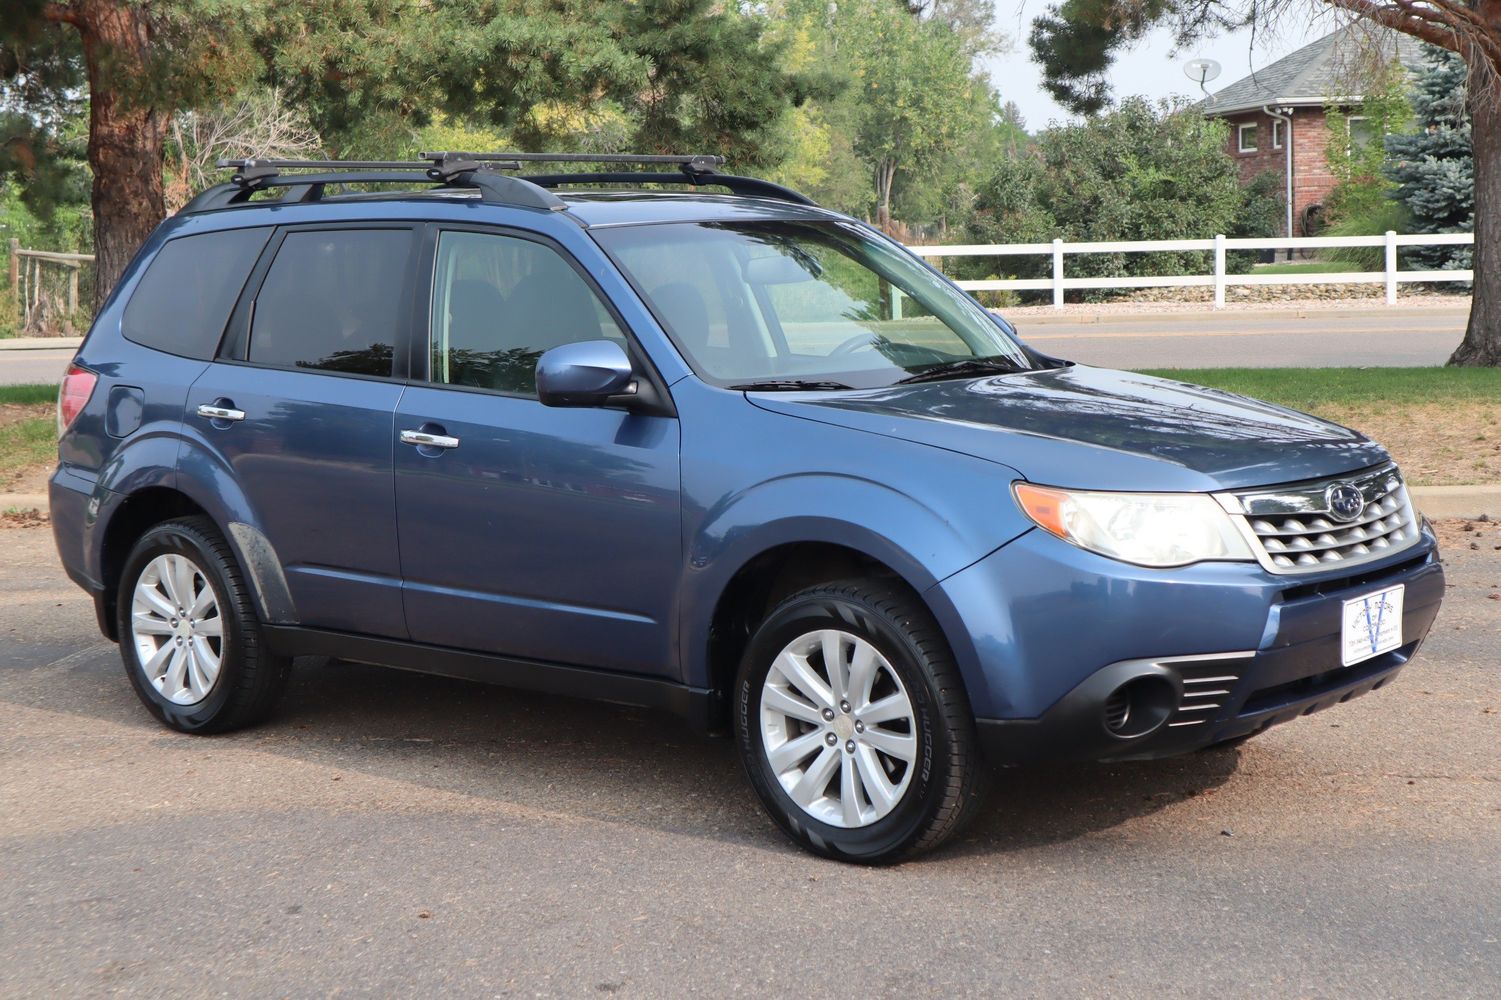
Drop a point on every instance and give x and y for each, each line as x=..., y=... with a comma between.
x=1139, y=707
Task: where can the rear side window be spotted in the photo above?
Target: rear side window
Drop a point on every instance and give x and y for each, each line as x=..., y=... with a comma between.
x=184, y=299
x=332, y=301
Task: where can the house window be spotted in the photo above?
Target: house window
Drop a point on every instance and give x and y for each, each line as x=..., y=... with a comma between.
x=1246, y=138
x=1362, y=132
x=1277, y=125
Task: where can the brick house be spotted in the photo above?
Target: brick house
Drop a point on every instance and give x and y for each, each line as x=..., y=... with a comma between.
x=1277, y=115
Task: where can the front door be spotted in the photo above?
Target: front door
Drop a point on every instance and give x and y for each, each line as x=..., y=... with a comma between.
x=533, y=531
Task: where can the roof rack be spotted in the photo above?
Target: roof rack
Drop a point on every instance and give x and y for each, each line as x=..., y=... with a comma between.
x=696, y=169
x=308, y=179
x=251, y=176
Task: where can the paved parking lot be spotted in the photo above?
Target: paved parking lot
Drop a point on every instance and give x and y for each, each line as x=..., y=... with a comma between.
x=389, y=834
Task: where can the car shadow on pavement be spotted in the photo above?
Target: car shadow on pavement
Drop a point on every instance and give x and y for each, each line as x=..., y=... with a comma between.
x=607, y=763
x=630, y=765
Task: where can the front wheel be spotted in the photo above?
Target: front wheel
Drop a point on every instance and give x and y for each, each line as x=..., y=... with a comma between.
x=853, y=724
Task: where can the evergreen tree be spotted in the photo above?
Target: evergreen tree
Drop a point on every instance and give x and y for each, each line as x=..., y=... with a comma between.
x=1433, y=167
x=367, y=74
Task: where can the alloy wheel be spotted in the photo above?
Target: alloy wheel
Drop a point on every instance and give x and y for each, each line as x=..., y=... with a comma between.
x=838, y=728
x=177, y=629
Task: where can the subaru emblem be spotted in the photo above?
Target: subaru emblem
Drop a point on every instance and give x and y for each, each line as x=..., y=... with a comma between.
x=1346, y=503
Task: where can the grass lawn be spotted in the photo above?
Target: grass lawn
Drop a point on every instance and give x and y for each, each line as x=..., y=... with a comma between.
x=1443, y=425
x=28, y=394
x=1308, y=267
x=28, y=436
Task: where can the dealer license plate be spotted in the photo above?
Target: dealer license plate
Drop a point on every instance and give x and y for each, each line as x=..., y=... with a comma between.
x=1372, y=625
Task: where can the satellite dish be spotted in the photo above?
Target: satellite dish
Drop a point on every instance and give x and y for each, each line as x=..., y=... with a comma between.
x=1201, y=71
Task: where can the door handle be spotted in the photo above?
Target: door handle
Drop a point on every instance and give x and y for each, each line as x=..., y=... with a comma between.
x=220, y=412
x=424, y=439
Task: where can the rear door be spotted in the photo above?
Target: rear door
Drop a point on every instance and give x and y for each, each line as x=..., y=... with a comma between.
x=537, y=532
x=298, y=410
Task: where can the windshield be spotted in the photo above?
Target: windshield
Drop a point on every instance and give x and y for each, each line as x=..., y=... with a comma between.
x=791, y=305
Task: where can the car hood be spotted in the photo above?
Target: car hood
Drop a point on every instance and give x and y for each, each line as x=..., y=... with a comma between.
x=1093, y=428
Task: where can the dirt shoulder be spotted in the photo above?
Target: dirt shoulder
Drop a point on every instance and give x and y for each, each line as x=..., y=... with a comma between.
x=1452, y=443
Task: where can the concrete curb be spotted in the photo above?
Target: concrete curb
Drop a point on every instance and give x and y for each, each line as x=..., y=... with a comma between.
x=1435, y=501
x=1104, y=316
x=40, y=343
x=1458, y=501
x=23, y=501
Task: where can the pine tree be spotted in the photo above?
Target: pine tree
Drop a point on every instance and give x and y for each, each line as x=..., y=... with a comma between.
x=1433, y=166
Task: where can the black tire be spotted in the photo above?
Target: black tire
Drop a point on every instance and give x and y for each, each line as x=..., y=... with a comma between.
x=251, y=679
x=944, y=788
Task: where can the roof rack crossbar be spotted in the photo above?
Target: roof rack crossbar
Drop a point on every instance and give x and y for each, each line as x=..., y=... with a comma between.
x=749, y=186
x=697, y=162
x=255, y=175
x=239, y=164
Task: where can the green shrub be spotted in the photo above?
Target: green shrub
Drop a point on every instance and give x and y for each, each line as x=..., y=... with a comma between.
x=1367, y=218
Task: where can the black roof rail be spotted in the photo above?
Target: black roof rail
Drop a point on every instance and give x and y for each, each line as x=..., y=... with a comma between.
x=306, y=180
x=251, y=176
x=698, y=162
x=696, y=169
x=749, y=186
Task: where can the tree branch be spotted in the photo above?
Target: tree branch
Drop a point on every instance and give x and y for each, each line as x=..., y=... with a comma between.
x=1449, y=25
x=62, y=14
x=1407, y=22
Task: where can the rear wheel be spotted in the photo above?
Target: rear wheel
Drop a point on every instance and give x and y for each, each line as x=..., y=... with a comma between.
x=189, y=635
x=853, y=725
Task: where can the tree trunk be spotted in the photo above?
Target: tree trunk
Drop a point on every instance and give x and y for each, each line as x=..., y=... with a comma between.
x=126, y=139
x=1482, y=343
x=885, y=176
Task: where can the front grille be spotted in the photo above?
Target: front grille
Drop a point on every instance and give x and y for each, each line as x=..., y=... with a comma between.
x=1296, y=530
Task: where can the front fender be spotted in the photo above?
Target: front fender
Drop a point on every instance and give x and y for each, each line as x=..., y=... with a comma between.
x=754, y=479
x=917, y=542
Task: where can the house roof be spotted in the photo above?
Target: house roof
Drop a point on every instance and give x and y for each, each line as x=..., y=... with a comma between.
x=1319, y=73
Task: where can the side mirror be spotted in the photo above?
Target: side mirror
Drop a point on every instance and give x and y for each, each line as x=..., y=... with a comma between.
x=589, y=373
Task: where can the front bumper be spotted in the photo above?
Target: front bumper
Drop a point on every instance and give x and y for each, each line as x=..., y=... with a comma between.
x=1227, y=650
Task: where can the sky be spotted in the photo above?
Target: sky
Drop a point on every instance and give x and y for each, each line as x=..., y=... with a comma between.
x=1152, y=68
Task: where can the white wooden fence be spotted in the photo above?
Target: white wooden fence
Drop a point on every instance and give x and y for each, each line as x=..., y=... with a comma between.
x=1219, y=279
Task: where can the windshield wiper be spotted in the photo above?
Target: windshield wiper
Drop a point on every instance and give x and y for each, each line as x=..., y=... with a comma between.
x=960, y=369
x=789, y=385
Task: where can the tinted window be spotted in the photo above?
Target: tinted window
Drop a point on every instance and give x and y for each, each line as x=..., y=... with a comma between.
x=499, y=302
x=332, y=301
x=183, y=300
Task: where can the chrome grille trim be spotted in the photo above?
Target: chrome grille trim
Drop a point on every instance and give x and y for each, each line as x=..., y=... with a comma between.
x=1293, y=531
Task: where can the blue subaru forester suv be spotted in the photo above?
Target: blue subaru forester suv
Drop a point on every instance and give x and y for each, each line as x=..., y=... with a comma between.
x=728, y=455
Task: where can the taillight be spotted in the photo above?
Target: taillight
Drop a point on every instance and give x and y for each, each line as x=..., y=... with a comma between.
x=78, y=386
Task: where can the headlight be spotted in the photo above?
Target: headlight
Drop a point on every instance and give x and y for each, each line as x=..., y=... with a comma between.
x=1149, y=529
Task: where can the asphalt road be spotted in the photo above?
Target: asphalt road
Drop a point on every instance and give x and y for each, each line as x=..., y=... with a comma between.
x=33, y=367
x=389, y=834
x=1246, y=339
